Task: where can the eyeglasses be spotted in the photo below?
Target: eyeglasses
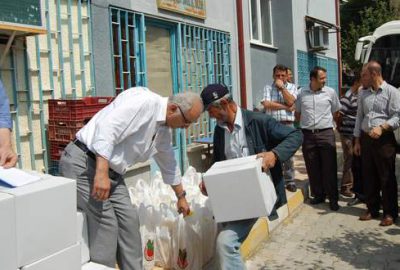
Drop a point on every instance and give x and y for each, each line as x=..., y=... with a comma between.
x=184, y=117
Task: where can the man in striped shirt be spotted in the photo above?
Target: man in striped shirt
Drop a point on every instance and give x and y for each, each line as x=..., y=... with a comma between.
x=279, y=102
x=346, y=120
x=378, y=114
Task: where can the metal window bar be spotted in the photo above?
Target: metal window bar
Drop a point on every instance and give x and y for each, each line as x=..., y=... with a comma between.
x=142, y=50
x=120, y=52
x=90, y=52
x=127, y=51
x=128, y=45
x=138, y=56
x=15, y=111
x=205, y=58
x=60, y=49
x=71, y=50
x=81, y=49
x=41, y=111
x=49, y=51
x=44, y=61
x=29, y=104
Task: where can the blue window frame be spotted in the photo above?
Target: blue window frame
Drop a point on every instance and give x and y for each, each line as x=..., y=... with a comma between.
x=200, y=56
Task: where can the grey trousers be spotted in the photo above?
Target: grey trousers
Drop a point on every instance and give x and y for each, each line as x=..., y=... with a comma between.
x=113, y=224
x=288, y=165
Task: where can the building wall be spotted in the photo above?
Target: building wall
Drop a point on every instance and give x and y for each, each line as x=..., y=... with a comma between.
x=38, y=68
x=101, y=33
x=263, y=59
x=324, y=12
x=288, y=19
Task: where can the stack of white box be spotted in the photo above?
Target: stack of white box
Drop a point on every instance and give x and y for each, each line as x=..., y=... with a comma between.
x=38, y=226
x=238, y=189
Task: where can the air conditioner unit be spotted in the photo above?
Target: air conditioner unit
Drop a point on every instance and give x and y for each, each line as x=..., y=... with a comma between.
x=318, y=37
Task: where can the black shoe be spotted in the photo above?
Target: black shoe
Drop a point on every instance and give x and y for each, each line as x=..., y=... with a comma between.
x=291, y=187
x=317, y=200
x=354, y=202
x=334, y=206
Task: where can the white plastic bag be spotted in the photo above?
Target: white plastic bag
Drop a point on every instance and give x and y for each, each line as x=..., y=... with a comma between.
x=187, y=253
x=208, y=231
x=163, y=253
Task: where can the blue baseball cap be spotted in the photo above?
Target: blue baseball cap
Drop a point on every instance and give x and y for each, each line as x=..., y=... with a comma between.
x=213, y=92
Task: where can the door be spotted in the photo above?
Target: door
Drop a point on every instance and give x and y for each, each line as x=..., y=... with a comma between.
x=162, y=76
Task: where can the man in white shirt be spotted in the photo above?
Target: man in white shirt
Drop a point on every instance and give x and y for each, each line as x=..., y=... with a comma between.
x=133, y=128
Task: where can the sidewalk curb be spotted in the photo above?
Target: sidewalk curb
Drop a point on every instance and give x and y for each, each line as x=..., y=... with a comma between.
x=264, y=227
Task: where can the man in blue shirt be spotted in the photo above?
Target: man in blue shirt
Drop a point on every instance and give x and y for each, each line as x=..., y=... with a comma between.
x=8, y=158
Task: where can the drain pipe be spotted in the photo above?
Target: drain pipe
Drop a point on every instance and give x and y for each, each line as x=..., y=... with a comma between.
x=339, y=46
x=242, y=66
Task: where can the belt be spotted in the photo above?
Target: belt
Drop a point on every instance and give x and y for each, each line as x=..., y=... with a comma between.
x=286, y=122
x=90, y=154
x=314, y=130
x=84, y=148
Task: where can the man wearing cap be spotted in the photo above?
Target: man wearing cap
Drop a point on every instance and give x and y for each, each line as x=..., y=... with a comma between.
x=240, y=133
x=133, y=128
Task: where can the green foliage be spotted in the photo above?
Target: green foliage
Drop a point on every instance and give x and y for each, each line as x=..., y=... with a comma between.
x=362, y=23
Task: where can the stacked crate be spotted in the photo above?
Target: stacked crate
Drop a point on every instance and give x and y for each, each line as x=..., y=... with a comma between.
x=66, y=117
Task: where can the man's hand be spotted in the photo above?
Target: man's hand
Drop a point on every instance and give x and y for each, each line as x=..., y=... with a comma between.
x=357, y=147
x=101, y=187
x=279, y=84
x=338, y=117
x=291, y=108
x=375, y=133
x=8, y=158
x=203, y=189
x=268, y=159
x=183, y=206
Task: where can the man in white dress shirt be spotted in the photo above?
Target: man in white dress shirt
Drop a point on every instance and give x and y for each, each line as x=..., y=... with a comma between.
x=133, y=128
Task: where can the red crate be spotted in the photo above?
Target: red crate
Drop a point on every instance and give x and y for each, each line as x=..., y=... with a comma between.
x=56, y=149
x=64, y=130
x=76, y=110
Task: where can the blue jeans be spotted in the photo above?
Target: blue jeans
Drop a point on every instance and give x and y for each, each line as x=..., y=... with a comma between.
x=229, y=240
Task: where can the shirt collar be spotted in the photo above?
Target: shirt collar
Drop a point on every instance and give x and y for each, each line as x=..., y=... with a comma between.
x=162, y=113
x=238, y=124
x=383, y=85
x=371, y=89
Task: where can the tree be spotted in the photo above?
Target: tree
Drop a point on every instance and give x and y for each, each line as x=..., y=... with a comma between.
x=357, y=22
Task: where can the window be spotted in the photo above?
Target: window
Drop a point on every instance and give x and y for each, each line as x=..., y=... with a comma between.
x=261, y=22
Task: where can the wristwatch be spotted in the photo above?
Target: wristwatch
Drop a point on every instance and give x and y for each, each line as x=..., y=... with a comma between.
x=181, y=195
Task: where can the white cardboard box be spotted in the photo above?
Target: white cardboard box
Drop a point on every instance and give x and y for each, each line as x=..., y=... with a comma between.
x=8, y=243
x=66, y=259
x=238, y=189
x=83, y=237
x=95, y=266
x=45, y=218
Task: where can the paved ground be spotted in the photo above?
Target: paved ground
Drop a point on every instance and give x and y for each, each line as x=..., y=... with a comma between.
x=317, y=238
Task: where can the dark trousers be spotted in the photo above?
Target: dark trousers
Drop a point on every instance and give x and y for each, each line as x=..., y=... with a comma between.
x=319, y=151
x=358, y=184
x=378, y=171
